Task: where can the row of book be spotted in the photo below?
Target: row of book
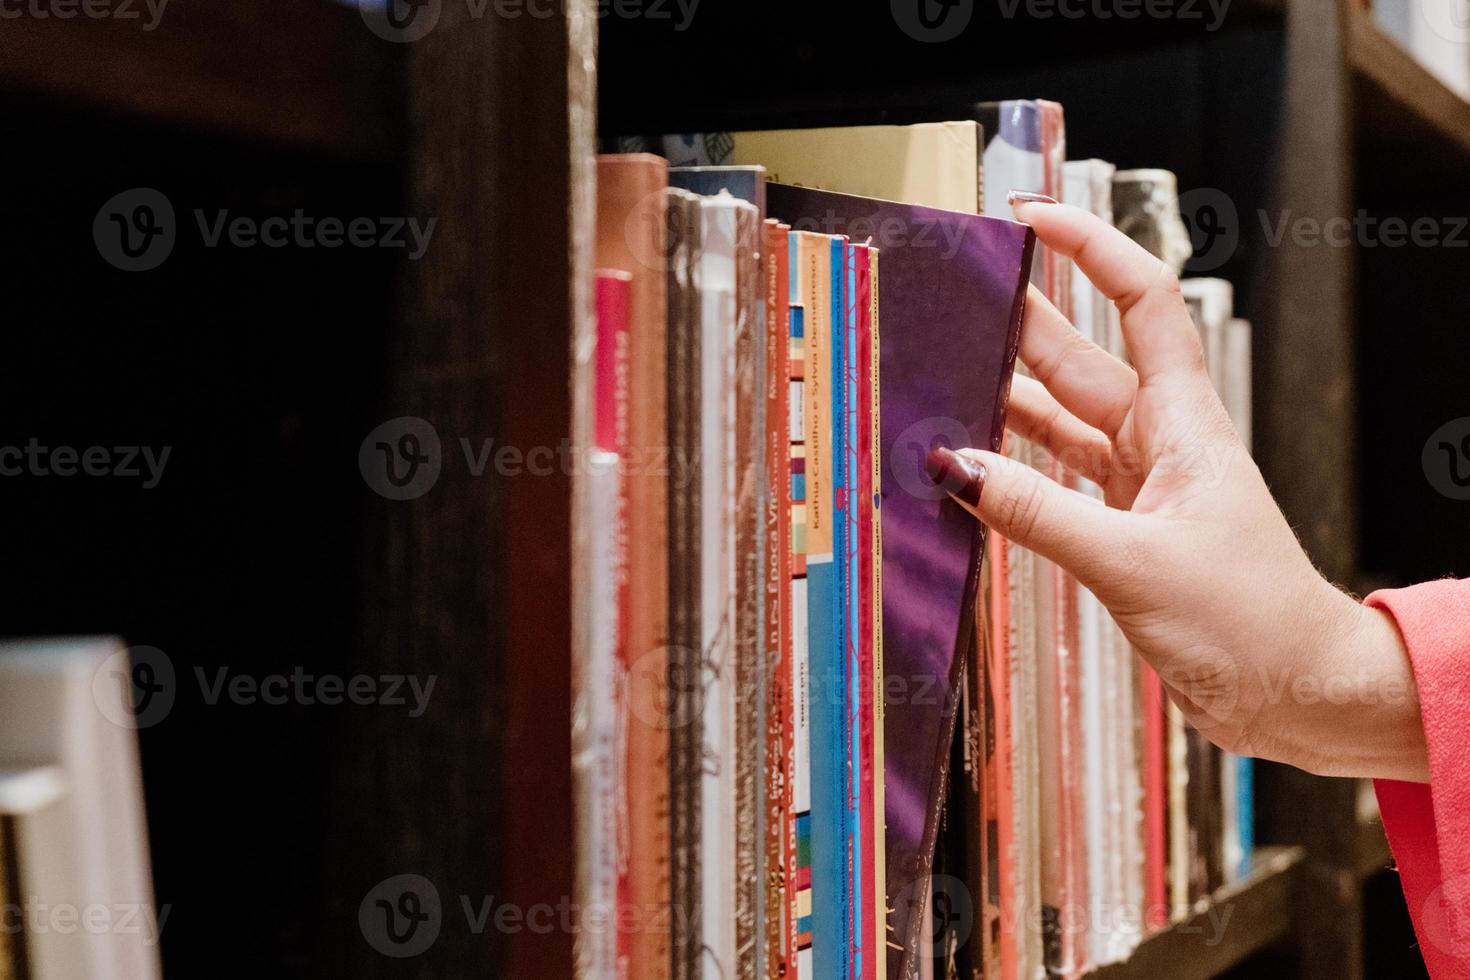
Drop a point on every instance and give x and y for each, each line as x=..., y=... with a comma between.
x=815, y=734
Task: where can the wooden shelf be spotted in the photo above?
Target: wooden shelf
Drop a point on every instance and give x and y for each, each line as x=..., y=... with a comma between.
x=305, y=73
x=1401, y=104
x=1238, y=921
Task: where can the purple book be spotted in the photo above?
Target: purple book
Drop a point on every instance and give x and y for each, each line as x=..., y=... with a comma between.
x=952, y=288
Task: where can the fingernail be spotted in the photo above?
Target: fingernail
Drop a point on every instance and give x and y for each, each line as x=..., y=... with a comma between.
x=960, y=477
x=1029, y=197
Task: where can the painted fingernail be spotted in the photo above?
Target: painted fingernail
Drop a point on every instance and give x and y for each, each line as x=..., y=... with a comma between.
x=1029, y=197
x=964, y=479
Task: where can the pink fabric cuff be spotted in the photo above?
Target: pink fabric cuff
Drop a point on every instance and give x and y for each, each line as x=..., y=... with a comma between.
x=1429, y=826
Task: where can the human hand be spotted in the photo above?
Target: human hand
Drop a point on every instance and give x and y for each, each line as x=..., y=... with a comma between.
x=1190, y=553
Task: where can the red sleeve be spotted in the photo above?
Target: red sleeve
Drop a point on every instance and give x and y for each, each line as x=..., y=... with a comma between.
x=1429, y=826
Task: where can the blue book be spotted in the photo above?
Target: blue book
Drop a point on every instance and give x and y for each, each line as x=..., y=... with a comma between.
x=1245, y=806
x=820, y=274
x=845, y=390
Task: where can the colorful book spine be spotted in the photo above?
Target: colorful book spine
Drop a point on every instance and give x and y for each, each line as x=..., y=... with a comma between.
x=780, y=828
x=717, y=287
x=877, y=908
x=1002, y=775
x=824, y=611
x=598, y=749
x=632, y=225
x=801, y=784
x=849, y=511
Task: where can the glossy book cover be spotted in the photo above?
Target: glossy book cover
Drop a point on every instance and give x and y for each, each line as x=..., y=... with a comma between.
x=952, y=290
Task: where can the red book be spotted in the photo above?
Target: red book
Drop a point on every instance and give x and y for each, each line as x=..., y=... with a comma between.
x=866, y=916
x=632, y=226
x=611, y=413
x=1155, y=797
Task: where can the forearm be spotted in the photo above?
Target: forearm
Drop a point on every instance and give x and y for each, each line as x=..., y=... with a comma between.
x=1356, y=711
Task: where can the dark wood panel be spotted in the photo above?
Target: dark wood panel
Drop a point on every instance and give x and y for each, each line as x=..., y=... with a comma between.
x=472, y=582
x=309, y=72
x=1237, y=922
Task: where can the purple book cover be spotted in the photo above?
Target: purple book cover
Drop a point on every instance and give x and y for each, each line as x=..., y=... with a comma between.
x=952, y=288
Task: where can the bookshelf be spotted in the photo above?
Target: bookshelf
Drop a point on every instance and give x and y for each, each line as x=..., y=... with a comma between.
x=489, y=121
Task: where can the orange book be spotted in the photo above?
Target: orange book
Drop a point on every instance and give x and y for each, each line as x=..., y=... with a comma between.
x=631, y=231
x=1001, y=917
x=780, y=843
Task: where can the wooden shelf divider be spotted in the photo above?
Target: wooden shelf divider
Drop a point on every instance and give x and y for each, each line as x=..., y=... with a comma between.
x=306, y=73
x=1238, y=921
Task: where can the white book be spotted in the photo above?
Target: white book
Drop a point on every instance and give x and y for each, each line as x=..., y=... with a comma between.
x=595, y=726
x=717, y=277
x=70, y=785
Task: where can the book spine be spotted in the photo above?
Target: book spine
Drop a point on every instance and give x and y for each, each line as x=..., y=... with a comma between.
x=1001, y=778
x=801, y=784
x=844, y=383
x=603, y=851
x=824, y=602
x=685, y=569
x=861, y=503
x=632, y=227
x=780, y=934
x=749, y=512
x=1156, y=798
x=880, y=850
x=718, y=592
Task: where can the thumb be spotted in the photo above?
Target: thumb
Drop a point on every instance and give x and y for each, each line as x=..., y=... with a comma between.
x=1030, y=509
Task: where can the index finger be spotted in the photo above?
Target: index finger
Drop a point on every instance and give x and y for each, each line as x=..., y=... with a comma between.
x=1160, y=335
